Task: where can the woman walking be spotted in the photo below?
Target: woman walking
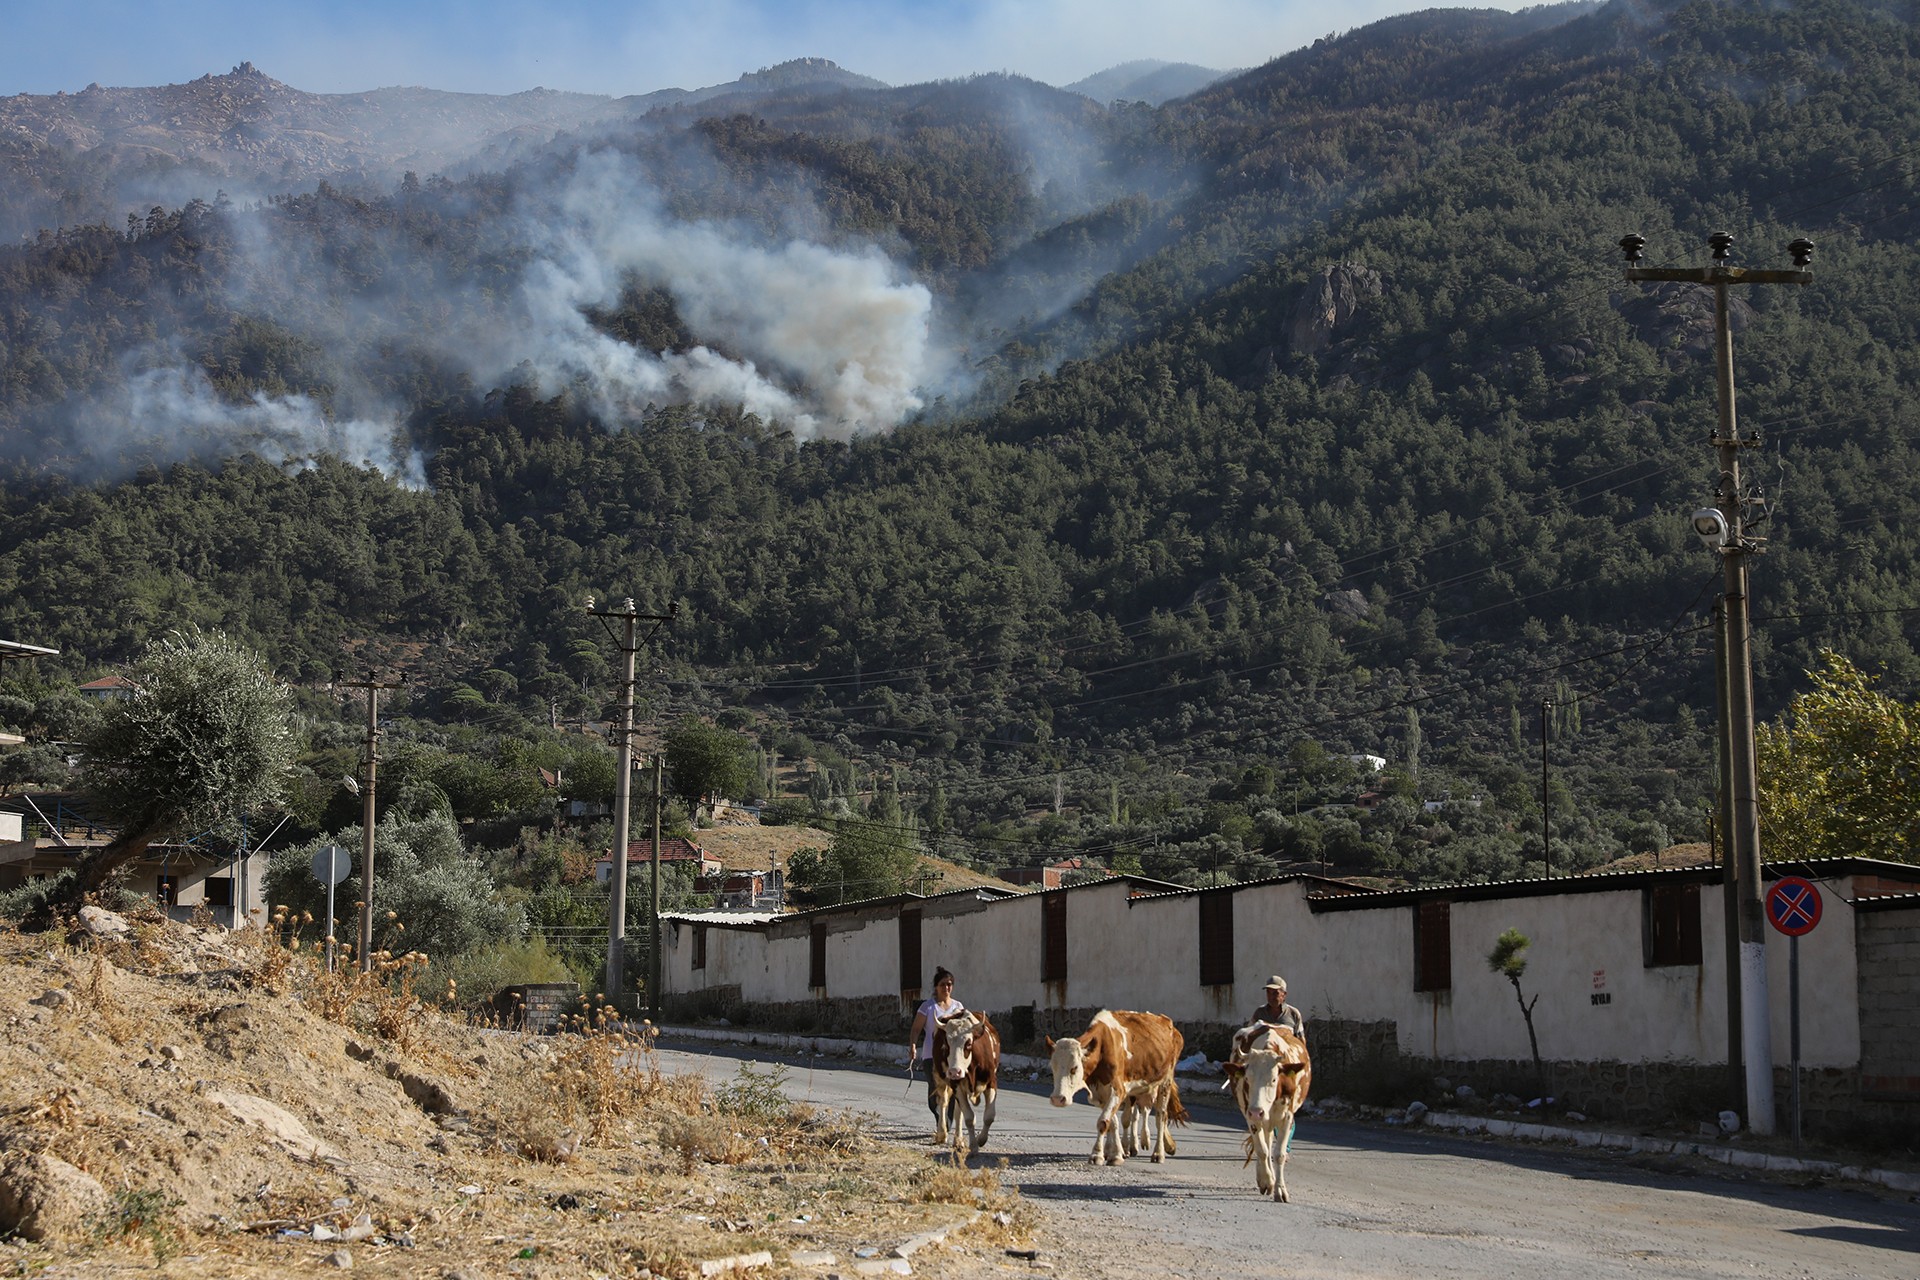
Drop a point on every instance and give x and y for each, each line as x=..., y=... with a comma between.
x=920, y=1039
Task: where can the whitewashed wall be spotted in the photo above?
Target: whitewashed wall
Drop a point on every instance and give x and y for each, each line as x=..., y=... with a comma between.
x=1351, y=963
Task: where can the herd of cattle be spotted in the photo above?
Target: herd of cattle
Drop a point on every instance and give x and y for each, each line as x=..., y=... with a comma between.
x=1124, y=1061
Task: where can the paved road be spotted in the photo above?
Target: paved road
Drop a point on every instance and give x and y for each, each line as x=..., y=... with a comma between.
x=1378, y=1202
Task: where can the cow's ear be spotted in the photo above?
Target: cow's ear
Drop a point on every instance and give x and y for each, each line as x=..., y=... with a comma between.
x=1049, y=1043
x=1293, y=1068
x=1235, y=1068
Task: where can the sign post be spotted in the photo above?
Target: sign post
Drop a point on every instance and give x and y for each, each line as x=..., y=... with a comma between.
x=330, y=866
x=1793, y=907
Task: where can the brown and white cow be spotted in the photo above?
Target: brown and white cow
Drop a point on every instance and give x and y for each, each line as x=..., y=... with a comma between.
x=966, y=1067
x=1269, y=1072
x=1124, y=1061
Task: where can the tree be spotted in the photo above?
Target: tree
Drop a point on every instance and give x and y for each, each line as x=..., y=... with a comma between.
x=1508, y=959
x=703, y=760
x=1839, y=773
x=205, y=740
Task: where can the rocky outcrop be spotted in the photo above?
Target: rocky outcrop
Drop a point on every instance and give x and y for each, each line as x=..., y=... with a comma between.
x=1329, y=305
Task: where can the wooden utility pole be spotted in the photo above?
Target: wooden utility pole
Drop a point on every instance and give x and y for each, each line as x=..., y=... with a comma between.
x=630, y=641
x=1723, y=527
x=369, y=773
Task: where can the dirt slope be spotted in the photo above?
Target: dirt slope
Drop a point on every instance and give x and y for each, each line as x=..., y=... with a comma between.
x=219, y=1106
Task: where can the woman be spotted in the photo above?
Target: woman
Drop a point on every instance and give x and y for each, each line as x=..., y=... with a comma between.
x=920, y=1039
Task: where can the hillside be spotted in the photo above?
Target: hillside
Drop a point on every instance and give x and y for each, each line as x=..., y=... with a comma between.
x=1110, y=479
x=174, y=1097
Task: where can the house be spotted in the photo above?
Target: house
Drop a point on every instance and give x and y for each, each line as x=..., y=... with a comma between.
x=109, y=688
x=1372, y=764
x=746, y=890
x=675, y=851
x=45, y=834
x=1629, y=969
x=1054, y=874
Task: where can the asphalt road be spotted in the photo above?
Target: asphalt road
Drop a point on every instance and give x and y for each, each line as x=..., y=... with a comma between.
x=1378, y=1202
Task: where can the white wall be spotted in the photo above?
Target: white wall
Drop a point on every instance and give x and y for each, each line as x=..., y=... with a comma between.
x=1353, y=964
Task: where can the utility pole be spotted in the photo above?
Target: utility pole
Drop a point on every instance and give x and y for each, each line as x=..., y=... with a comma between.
x=653, y=958
x=1723, y=527
x=1546, y=816
x=369, y=772
x=630, y=640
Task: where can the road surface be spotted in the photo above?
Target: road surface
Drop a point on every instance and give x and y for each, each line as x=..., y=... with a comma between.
x=1370, y=1201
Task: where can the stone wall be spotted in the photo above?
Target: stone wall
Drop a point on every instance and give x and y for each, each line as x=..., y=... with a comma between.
x=1889, y=968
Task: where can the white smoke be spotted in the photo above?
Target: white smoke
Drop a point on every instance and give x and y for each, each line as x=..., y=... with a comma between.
x=826, y=341
x=172, y=414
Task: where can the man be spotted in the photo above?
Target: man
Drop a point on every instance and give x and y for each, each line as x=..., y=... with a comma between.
x=1278, y=1012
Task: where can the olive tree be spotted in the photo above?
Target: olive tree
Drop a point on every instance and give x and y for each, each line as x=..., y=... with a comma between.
x=205, y=740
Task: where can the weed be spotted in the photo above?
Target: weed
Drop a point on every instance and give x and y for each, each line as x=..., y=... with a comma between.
x=755, y=1093
x=146, y=1214
x=951, y=1182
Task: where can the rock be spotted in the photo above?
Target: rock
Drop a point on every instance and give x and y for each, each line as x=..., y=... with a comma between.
x=102, y=923
x=738, y=1262
x=280, y=1124
x=1416, y=1112
x=342, y=1259
x=1442, y=1085
x=1729, y=1122
x=54, y=998
x=43, y=1197
x=810, y=1258
x=172, y=1052
x=429, y=1094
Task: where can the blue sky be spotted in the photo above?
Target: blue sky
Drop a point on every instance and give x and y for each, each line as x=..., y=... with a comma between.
x=595, y=46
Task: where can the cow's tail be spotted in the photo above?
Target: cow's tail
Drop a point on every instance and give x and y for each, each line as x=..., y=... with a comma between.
x=1176, y=1112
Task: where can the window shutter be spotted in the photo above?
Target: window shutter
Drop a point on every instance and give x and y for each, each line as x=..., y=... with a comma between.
x=1216, y=938
x=1053, y=940
x=817, y=956
x=910, y=950
x=1433, y=946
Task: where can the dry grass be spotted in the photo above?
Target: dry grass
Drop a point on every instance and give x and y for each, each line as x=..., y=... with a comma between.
x=566, y=1155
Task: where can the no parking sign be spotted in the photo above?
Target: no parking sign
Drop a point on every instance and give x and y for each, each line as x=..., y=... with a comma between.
x=1793, y=906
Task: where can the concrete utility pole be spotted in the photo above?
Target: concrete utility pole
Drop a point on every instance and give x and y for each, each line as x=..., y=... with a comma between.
x=370, y=766
x=1723, y=527
x=653, y=958
x=1546, y=815
x=630, y=641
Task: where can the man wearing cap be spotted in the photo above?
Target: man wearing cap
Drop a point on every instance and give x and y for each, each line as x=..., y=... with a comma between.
x=1278, y=1012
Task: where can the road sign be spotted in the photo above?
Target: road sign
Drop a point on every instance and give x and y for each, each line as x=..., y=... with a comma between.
x=331, y=864
x=1793, y=906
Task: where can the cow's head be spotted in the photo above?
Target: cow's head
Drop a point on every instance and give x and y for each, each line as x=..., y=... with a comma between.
x=953, y=1046
x=1269, y=1075
x=1068, y=1057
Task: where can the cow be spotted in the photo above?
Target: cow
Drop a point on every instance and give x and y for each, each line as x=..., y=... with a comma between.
x=1124, y=1061
x=966, y=1067
x=1269, y=1072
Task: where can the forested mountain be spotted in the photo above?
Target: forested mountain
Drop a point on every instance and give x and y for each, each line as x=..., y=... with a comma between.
x=1104, y=477
x=1149, y=80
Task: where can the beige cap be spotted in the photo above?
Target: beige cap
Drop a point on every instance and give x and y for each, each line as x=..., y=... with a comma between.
x=1276, y=981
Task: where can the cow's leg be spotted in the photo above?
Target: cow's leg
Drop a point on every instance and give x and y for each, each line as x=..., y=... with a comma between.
x=1282, y=1134
x=1160, y=1145
x=942, y=1101
x=991, y=1096
x=1106, y=1138
x=1263, y=1157
x=962, y=1105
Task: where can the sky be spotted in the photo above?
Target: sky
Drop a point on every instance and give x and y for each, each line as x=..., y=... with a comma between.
x=597, y=46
